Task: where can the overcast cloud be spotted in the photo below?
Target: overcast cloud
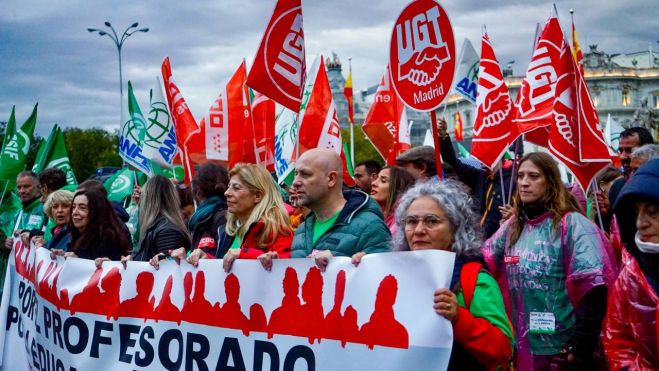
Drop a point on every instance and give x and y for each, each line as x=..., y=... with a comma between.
x=47, y=55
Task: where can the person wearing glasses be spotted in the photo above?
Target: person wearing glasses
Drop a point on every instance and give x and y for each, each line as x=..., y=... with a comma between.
x=439, y=216
x=555, y=267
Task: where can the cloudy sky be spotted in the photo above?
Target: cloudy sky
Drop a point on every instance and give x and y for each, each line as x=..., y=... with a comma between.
x=47, y=55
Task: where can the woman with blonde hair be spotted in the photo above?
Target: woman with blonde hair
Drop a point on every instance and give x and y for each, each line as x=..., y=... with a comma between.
x=161, y=223
x=58, y=208
x=258, y=226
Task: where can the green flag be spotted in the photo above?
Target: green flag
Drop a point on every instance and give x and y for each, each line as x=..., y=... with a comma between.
x=10, y=207
x=42, y=152
x=12, y=159
x=9, y=129
x=57, y=156
x=131, y=137
x=120, y=185
x=463, y=151
x=351, y=171
x=175, y=172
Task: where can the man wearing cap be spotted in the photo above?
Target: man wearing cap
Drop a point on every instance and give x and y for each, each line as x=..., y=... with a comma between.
x=420, y=162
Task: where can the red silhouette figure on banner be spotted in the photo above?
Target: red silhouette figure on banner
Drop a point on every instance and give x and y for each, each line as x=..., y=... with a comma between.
x=313, y=317
x=166, y=311
x=286, y=319
x=49, y=292
x=93, y=300
x=257, y=320
x=230, y=314
x=383, y=328
x=339, y=326
x=199, y=309
x=141, y=306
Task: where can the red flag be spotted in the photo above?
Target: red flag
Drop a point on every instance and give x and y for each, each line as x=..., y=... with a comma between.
x=319, y=124
x=536, y=96
x=226, y=131
x=386, y=122
x=565, y=136
x=263, y=117
x=493, y=123
x=186, y=125
x=279, y=67
x=457, y=130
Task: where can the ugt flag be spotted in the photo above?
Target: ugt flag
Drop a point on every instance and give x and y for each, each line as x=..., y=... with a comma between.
x=14, y=153
x=494, y=109
x=466, y=77
x=263, y=118
x=535, y=101
x=55, y=155
x=386, y=122
x=226, y=131
x=279, y=68
x=565, y=135
x=131, y=137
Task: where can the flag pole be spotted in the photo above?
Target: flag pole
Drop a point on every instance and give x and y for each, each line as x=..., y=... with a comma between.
x=352, y=124
x=513, y=174
x=503, y=188
x=597, y=204
x=435, y=135
x=4, y=191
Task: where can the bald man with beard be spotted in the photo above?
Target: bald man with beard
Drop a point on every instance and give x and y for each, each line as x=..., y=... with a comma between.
x=341, y=223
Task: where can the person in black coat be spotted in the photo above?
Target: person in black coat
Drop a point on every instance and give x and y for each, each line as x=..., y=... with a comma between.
x=161, y=223
x=485, y=184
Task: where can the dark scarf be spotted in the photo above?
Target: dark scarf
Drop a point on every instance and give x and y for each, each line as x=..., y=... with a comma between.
x=205, y=209
x=530, y=212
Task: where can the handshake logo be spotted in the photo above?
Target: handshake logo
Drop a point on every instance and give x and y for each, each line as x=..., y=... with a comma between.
x=421, y=50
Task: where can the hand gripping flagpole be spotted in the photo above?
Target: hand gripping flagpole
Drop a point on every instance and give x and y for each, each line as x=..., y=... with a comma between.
x=435, y=135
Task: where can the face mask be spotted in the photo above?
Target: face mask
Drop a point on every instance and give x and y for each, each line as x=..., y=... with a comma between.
x=646, y=247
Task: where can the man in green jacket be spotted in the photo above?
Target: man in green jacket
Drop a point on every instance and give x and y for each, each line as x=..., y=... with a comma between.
x=31, y=215
x=340, y=223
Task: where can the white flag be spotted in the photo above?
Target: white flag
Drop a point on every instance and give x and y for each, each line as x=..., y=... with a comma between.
x=466, y=77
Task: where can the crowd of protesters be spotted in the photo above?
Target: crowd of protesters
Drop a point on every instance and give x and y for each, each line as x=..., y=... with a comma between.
x=546, y=278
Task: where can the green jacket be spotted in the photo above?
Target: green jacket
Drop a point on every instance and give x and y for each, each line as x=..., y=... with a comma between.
x=31, y=217
x=9, y=209
x=359, y=227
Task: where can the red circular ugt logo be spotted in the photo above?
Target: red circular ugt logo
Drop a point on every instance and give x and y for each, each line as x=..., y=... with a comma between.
x=422, y=55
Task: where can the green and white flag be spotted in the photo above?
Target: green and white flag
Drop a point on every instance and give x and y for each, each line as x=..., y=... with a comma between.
x=12, y=159
x=131, y=136
x=42, y=152
x=10, y=128
x=160, y=144
x=286, y=131
x=55, y=155
x=120, y=185
x=463, y=151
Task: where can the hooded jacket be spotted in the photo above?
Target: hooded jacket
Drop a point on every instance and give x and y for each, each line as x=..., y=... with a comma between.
x=631, y=326
x=359, y=227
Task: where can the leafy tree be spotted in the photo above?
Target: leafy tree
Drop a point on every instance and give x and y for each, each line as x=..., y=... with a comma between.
x=364, y=150
x=91, y=148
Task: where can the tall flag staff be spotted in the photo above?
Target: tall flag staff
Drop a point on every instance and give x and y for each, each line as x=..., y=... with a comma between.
x=347, y=91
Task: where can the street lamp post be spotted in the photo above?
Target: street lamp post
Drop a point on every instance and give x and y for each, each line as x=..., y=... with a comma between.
x=119, y=42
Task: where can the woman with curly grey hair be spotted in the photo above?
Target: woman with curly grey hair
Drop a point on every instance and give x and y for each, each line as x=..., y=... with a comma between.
x=439, y=216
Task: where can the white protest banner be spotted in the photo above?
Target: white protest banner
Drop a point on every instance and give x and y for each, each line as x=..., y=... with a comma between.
x=65, y=314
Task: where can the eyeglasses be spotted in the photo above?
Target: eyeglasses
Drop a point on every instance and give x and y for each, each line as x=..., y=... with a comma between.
x=429, y=221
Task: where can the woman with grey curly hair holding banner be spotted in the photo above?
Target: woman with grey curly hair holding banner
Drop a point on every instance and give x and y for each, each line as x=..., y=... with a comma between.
x=439, y=216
